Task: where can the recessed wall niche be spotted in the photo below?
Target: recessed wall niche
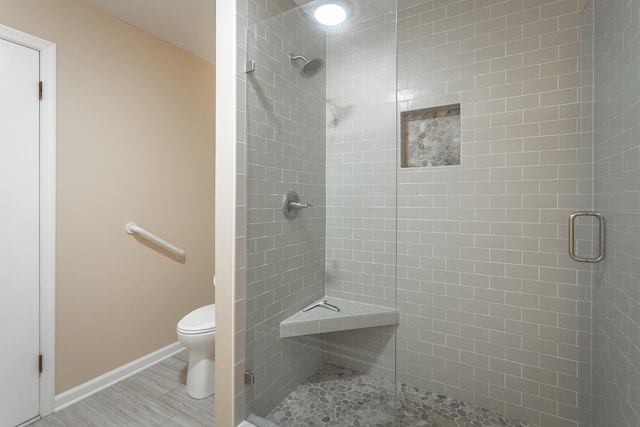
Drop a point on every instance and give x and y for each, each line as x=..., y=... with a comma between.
x=430, y=137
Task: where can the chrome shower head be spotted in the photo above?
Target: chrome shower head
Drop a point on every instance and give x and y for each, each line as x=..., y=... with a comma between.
x=310, y=67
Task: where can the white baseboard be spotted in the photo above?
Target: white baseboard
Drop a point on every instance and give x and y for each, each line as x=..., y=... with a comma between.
x=93, y=386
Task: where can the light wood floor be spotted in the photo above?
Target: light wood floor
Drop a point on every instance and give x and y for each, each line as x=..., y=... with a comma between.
x=151, y=398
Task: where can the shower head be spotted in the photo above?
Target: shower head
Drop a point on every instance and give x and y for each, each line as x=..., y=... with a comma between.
x=310, y=67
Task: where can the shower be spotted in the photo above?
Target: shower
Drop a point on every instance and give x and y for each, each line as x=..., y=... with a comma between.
x=310, y=67
x=462, y=268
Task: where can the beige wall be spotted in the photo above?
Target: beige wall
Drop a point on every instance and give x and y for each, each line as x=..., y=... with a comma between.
x=135, y=143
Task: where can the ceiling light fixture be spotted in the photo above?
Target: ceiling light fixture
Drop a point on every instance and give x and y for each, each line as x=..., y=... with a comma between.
x=330, y=14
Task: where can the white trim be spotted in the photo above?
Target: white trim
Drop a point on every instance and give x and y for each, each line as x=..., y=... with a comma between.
x=229, y=407
x=17, y=36
x=48, y=228
x=47, y=208
x=97, y=384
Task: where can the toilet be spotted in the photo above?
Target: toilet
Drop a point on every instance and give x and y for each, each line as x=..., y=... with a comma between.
x=197, y=331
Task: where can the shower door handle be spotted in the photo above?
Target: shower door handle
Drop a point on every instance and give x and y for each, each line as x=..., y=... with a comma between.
x=572, y=252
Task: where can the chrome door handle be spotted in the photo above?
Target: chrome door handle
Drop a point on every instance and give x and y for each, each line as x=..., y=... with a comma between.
x=601, y=223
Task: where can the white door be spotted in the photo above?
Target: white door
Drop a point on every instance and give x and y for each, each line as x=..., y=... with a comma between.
x=19, y=233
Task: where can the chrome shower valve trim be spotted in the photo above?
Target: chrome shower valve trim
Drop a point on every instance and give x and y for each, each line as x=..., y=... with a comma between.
x=291, y=205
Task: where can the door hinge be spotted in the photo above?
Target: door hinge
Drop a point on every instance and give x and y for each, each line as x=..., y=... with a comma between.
x=40, y=91
x=40, y=363
x=249, y=378
x=249, y=66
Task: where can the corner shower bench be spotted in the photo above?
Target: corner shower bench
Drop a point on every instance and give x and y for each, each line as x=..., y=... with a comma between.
x=352, y=315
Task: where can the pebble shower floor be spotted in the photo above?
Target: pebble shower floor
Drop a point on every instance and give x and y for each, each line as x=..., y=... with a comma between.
x=339, y=396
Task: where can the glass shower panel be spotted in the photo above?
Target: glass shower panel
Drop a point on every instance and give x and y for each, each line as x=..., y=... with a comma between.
x=616, y=290
x=321, y=113
x=285, y=152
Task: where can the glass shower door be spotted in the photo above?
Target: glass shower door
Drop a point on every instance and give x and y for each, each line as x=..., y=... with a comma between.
x=321, y=112
x=616, y=155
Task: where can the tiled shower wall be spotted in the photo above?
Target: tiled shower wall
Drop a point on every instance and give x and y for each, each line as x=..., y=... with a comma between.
x=616, y=290
x=285, y=151
x=490, y=301
x=491, y=305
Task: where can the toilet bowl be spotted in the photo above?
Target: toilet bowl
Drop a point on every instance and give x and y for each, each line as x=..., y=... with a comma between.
x=197, y=331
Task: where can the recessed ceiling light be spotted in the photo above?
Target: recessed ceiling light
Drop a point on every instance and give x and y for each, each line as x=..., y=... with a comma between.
x=330, y=14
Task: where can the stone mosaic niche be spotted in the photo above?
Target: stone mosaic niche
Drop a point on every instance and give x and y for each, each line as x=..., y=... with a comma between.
x=431, y=137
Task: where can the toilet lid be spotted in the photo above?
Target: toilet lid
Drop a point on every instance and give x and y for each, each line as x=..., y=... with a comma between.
x=199, y=321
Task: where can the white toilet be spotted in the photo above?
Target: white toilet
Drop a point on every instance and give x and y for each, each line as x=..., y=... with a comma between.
x=197, y=332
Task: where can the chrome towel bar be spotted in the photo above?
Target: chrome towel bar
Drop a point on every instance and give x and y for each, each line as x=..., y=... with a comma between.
x=132, y=228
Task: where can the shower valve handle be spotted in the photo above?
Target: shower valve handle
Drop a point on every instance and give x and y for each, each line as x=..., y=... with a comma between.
x=291, y=205
x=298, y=205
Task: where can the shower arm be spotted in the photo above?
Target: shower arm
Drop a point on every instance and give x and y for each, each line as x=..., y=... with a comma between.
x=294, y=57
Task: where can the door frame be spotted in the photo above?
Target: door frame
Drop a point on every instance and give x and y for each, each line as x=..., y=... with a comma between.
x=47, y=208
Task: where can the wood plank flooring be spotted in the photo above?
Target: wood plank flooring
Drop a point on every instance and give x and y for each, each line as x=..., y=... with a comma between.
x=151, y=398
